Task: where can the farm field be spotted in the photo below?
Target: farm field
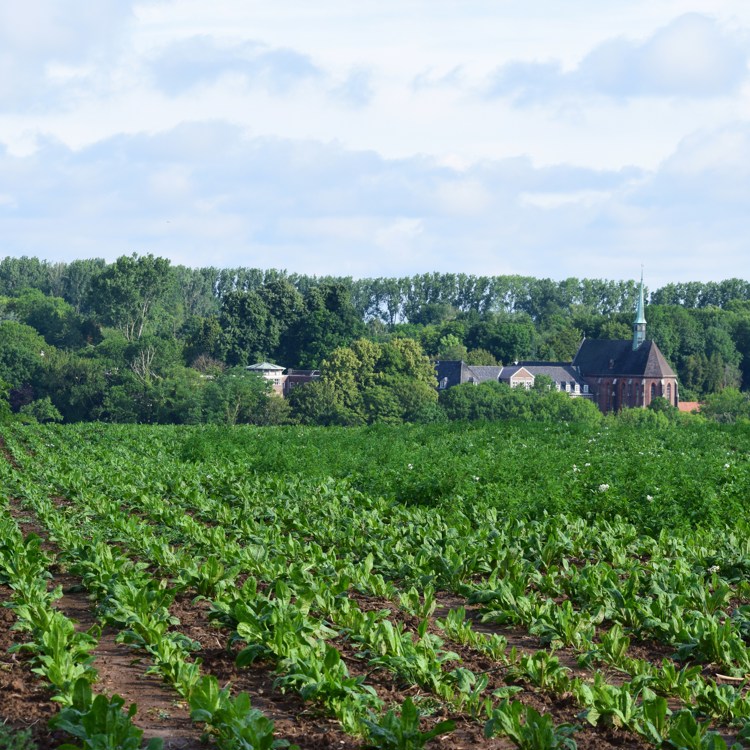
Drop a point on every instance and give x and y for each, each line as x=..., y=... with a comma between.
x=460, y=586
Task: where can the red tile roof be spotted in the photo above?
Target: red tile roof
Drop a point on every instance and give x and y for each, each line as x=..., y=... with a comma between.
x=689, y=406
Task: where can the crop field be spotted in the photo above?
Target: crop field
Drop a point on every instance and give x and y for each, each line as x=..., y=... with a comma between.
x=461, y=586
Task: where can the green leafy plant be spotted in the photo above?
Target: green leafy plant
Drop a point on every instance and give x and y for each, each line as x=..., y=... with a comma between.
x=528, y=729
x=100, y=723
x=232, y=722
x=12, y=739
x=402, y=731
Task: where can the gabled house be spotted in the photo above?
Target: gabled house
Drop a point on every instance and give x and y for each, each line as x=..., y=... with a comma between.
x=519, y=375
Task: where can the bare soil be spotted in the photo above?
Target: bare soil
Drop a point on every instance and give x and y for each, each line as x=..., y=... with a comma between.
x=161, y=713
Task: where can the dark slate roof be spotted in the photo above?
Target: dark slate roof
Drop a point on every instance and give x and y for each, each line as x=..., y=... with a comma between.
x=558, y=371
x=482, y=373
x=616, y=357
x=450, y=369
x=457, y=372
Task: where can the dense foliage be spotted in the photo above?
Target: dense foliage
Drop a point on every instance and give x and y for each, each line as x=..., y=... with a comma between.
x=140, y=340
x=616, y=557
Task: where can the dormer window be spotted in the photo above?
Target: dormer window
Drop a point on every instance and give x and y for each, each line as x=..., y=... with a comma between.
x=611, y=364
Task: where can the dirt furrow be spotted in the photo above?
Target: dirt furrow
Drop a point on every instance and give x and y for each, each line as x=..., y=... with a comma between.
x=161, y=712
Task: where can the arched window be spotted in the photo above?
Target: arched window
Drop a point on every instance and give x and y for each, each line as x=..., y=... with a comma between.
x=653, y=391
x=669, y=392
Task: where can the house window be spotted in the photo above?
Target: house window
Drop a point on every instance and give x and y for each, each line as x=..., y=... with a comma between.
x=577, y=388
x=585, y=388
x=564, y=386
x=444, y=383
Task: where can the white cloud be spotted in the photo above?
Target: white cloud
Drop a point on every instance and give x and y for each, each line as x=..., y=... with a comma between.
x=359, y=139
x=41, y=38
x=202, y=60
x=693, y=56
x=207, y=193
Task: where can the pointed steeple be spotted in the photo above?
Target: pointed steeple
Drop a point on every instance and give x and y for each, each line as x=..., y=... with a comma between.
x=639, y=324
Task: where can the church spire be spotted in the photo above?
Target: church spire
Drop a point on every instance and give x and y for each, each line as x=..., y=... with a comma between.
x=639, y=324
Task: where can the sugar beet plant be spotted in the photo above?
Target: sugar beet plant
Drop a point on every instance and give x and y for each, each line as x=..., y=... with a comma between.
x=565, y=568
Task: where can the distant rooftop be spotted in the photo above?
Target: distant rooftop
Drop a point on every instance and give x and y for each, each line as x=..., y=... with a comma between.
x=265, y=367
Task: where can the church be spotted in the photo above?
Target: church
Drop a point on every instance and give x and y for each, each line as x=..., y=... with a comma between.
x=624, y=373
x=614, y=374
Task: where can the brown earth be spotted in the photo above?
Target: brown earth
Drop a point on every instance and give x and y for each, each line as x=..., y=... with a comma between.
x=562, y=708
x=295, y=720
x=161, y=713
x=25, y=703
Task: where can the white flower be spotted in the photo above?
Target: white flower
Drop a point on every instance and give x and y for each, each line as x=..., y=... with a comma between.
x=714, y=569
x=476, y=479
x=603, y=487
x=587, y=464
x=575, y=468
x=410, y=466
x=649, y=498
x=726, y=466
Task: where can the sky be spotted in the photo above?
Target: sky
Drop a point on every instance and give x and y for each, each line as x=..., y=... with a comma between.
x=381, y=138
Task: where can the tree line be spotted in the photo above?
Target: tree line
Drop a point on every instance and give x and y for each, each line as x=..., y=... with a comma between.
x=143, y=340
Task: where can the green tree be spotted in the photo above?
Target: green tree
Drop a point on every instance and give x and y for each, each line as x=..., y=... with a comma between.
x=79, y=385
x=54, y=319
x=244, y=322
x=345, y=374
x=318, y=403
x=480, y=357
x=17, y=274
x=285, y=306
x=729, y=405
x=202, y=337
x=329, y=320
x=129, y=294
x=24, y=354
x=509, y=338
x=41, y=410
x=236, y=397
x=5, y=411
x=450, y=347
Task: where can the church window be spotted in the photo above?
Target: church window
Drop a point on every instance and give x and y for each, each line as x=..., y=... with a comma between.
x=669, y=392
x=653, y=391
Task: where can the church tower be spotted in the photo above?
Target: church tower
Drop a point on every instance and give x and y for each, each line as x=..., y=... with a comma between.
x=639, y=324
